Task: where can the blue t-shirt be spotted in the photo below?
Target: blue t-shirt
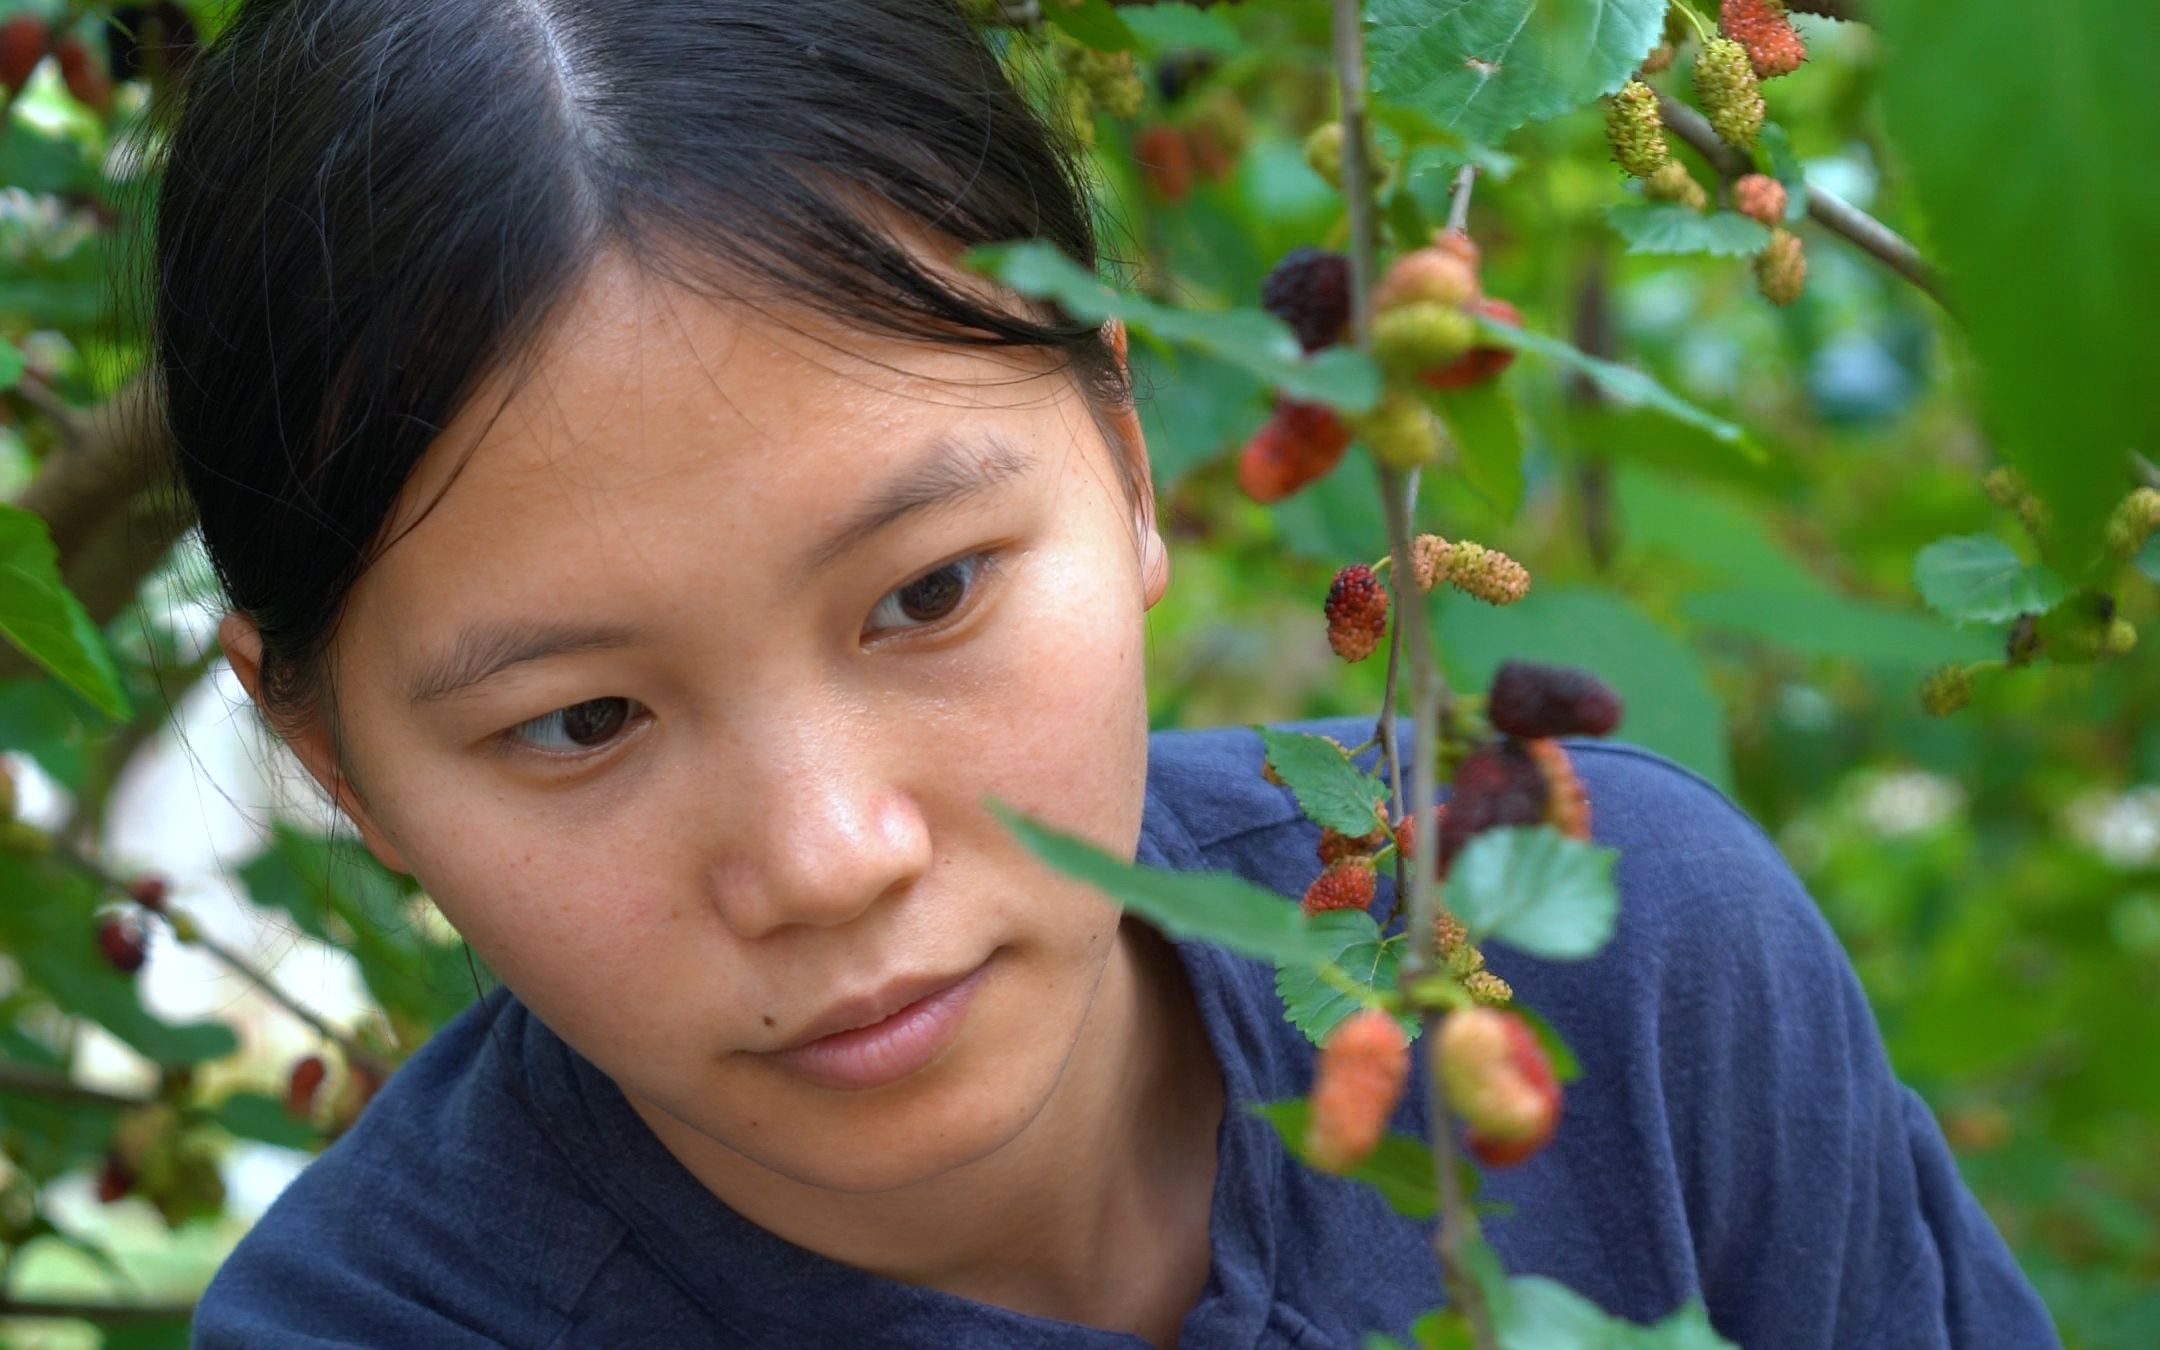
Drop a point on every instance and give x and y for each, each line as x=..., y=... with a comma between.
x=1737, y=1134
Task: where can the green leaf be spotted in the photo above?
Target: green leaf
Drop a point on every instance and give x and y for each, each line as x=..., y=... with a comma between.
x=1180, y=27
x=1488, y=442
x=1976, y=578
x=1624, y=383
x=258, y=1116
x=1314, y=1005
x=1486, y=68
x=1093, y=22
x=2064, y=92
x=1671, y=707
x=1330, y=789
x=1821, y=622
x=39, y=614
x=1400, y=1168
x=1536, y=889
x=1251, y=338
x=1667, y=227
x=1537, y=1313
x=1443, y=1329
x=1218, y=907
x=11, y=362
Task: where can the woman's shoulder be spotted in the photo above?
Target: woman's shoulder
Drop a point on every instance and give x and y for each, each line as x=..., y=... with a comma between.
x=442, y=1217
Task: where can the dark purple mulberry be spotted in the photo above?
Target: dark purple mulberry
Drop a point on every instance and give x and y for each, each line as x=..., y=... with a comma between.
x=1531, y=700
x=1310, y=290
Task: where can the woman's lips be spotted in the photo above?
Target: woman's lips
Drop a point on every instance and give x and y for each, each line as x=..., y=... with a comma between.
x=887, y=1051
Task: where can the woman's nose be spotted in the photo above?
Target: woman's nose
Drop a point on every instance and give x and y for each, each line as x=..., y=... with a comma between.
x=831, y=835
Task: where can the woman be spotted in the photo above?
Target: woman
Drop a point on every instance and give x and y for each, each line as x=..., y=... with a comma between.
x=655, y=544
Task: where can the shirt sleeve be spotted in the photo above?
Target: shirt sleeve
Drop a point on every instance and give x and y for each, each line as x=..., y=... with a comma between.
x=1824, y=1206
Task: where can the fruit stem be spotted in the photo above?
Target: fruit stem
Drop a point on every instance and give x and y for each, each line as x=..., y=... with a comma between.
x=1702, y=31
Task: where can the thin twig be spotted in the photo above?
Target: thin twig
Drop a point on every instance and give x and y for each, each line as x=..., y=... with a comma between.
x=353, y=1051
x=1458, y=212
x=23, y=1080
x=1826, y=209
x=1457, y=1223
x=109, y=1313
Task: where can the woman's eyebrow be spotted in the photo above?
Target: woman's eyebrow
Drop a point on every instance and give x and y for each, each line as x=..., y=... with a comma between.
x=955, y=468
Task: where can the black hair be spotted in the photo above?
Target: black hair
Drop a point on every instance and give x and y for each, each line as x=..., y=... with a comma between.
x=366, y=207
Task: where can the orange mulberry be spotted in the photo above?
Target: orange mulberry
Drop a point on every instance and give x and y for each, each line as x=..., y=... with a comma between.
x=1764, y=30
x=1498, y=1079
x=1300, y=443
x=1359, y=1078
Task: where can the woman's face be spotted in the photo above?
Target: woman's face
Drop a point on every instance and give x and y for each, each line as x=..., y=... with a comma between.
x=684, y=700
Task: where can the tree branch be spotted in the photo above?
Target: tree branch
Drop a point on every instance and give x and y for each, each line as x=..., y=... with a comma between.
x=109, y=1313
x=1826, y=209
x=23, y=1080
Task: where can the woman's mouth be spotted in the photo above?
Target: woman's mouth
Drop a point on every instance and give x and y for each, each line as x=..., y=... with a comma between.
x=887, y=1050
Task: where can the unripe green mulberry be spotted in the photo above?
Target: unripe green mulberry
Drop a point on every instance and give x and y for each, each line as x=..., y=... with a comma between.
x=1486, y=573
x=1781, y=268
x=2133, y=521
x=1410, y=339
x=1633, y=130
x=1323, y=151
x=1673, y=183
x=1725, y=85
x=2121, y=638
x=1400, y=432
x=1946, y=690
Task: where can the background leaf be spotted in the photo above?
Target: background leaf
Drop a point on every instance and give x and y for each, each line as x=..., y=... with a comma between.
x=1976, y=578
x=40, y=615
x=1668, y=227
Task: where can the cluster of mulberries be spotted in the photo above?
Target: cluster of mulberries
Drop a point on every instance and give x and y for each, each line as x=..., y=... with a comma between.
x=1357, y=1081
x=1524, y=776
x=1357, y=606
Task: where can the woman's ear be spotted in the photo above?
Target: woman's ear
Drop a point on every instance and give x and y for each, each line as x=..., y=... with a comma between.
x=309, y=739
x=1154, y=554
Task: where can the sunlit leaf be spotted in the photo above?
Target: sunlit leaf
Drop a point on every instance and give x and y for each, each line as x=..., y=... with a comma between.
x=1537, y=889
x=40, y=615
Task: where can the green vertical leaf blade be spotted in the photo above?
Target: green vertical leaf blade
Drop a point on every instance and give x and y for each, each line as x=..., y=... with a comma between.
x=40, y=615
x=2018, y=122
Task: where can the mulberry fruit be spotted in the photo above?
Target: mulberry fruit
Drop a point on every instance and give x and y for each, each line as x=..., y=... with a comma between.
x=1360, y=1076
x=1946, y=690
x=1165, y=162
x=1459, y=244
x=1411, y=339
x=1336, y=846
x=1482, y=362
x=121, y=939
x=149, y=890
x=1530, y=700
x=1498, y=1079
x=1400, y=432
x=1488, y=989
x=1428, y=559
x=1430, y=275
x=1449, y=935
x=1781, y=268
x=1497, y=785
x=1357, y=607
x=301, y=1085
x=1660, y=57
x=23, y=40
x=1725, y=85
x=1568, y=807
x=1323, y=152
x=115, y=1179
x=1309, y=289
x=1633, y=130
x=1406, y=836
x=1300, y=443
x=86, y=80
x=2133, y=520
x=1486, y=573
x=1673, y=183
x=1758, y=196
x=1761, y=27
x=1347, y=884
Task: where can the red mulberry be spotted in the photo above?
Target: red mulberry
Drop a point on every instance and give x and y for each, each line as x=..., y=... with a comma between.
x=1762, y=28
x=1344, y=885
x=1300, y=443
x=1498, y=784
x=1357, y=607
x=121, y=939
x=1498, y=1079
x=1480, y=363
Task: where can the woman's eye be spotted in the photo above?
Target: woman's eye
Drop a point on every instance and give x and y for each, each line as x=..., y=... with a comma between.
x=581, y=726
x=931, y=596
